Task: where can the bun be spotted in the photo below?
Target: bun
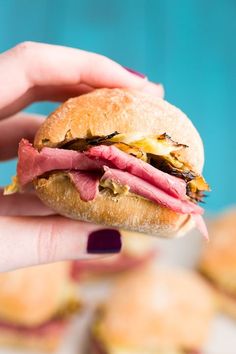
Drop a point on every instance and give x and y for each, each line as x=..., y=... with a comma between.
x=161, y=308
x=32, y=296
x=122, y=211
x=102, y=112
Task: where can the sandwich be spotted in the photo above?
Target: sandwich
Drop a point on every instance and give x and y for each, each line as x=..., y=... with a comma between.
x=119, y=158
x=218, y=260
x=137, y=250
x=36, y=305
x=154, y=311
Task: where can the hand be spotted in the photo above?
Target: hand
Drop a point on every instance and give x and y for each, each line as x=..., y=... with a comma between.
x=29, y=232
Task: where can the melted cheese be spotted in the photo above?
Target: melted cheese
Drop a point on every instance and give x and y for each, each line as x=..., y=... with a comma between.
x=12, y=188
x=148, y=144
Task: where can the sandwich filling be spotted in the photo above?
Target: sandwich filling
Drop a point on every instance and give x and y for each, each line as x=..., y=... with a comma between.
x=53, y=327
x=112, y=264
x=147, y=166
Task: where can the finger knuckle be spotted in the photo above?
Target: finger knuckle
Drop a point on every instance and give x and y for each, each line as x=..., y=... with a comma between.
x=24, y=48
x=47, y=242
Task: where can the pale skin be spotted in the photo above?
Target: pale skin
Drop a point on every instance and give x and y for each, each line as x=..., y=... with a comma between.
x=30, y=233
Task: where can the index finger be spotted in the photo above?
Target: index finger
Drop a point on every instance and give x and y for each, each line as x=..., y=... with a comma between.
x=32, y=64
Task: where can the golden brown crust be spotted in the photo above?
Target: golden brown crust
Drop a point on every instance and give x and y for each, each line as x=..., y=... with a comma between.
x=32, y=296
x=162, y=308
x=107, y=110
x=123, y=211
x=218, y=259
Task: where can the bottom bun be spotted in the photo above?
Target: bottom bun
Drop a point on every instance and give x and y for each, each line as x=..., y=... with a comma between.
x=128, y=212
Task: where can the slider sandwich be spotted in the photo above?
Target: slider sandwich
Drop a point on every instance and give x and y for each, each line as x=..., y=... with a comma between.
x=151, y=311
x=218, y=260
x=36, y=305
x=119, y=158
x=137, y=250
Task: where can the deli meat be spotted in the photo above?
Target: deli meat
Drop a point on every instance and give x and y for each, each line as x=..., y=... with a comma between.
x=140, y=187
x=117, y=263
x=85, y=170
x=32, y=163
x=201, y=226
x=121, y=160
x=143, y=188
x=86, y=183
x=54, y=327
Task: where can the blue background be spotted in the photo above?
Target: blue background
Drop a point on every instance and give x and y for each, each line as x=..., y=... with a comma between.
x=188, y=45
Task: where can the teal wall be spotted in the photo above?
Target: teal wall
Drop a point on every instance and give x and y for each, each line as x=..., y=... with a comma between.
x=188, y=45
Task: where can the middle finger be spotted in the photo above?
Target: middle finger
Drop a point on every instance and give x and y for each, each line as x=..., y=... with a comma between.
x=27, y=204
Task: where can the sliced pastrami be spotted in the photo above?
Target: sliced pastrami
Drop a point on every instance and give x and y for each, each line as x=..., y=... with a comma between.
x=143, y=188
x=114, y=264
x=201, y=226
x=53, y=327
x=32, y=163
x=86, y=183
x=170, y=184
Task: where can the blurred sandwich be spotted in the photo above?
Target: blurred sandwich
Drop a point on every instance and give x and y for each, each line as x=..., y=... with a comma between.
x=35, y=306
x=218, y=260
x=137, y=250
x=154, y=311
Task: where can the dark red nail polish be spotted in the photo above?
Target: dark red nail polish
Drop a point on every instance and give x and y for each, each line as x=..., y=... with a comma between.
x=135, y=72
x=104, y=241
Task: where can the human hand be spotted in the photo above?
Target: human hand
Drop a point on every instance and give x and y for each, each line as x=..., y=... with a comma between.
x=29, y=232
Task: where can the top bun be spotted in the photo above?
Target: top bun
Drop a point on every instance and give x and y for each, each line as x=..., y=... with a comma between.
x=104, y=111
x=32, y=296
x=156, y=308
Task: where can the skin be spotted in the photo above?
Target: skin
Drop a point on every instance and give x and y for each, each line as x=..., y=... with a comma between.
x=29, y=232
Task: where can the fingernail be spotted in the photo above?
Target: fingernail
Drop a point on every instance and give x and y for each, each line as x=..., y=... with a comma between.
x=155, y=89
x=104, y=241
x=135, y=72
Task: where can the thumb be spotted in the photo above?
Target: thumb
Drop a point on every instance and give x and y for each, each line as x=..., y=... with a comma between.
x=27, y=241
